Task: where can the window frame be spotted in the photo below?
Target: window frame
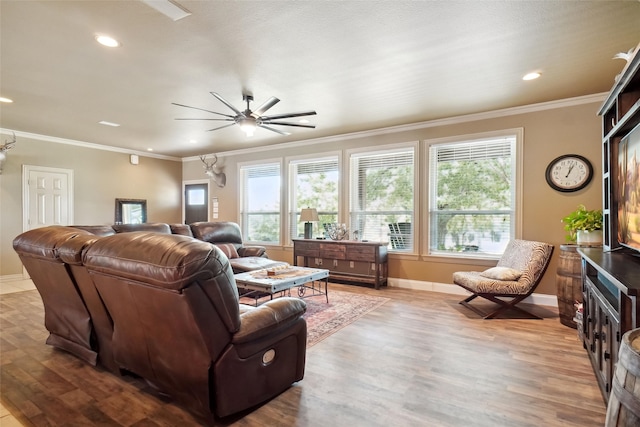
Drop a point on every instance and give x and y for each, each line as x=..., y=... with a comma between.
x=349, y=185
x=242, y=199
x=292, y=210
x=518, y=133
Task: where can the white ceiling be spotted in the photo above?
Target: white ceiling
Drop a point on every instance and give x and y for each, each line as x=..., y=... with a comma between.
x=360, y=64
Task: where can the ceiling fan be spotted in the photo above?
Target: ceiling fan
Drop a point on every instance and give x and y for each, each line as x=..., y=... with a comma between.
x=250, y=120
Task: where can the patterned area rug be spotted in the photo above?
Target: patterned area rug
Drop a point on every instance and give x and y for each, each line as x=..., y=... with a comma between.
x=324, y=319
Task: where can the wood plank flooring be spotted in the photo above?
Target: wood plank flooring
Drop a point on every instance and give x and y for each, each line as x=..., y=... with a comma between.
x=421, y=359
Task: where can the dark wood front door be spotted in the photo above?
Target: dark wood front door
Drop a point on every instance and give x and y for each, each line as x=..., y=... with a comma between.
x=196, y=198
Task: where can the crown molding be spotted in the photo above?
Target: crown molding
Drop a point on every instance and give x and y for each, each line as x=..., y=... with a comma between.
x=543, y=106
x=512, y=111
x=84, y=144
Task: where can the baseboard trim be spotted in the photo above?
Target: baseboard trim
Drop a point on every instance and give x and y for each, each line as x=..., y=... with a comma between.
x=12, y=278
x=418, y=285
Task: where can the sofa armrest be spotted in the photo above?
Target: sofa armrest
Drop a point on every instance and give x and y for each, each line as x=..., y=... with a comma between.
x=259, y=251
x=268, y=317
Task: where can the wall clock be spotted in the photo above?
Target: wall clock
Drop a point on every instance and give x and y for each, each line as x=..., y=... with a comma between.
x=569, y=172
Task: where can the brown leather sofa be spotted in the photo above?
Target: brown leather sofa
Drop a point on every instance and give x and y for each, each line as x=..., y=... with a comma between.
x=66, y=316
x=165, y=307
x=228, y=237
x=224, y=234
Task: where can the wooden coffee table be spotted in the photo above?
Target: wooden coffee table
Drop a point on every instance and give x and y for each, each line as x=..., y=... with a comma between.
x=307, y=280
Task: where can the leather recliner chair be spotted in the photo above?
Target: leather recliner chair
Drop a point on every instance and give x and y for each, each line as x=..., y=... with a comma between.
x=228, y=237
x=65, y=314
x=177, y=322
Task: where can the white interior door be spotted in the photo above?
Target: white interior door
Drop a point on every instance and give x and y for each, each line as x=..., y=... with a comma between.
x=47, y=196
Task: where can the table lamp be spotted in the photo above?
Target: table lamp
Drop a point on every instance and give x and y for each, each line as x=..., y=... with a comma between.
x=308, y=216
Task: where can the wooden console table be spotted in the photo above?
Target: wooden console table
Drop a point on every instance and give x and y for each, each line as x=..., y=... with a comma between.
x=363, y=262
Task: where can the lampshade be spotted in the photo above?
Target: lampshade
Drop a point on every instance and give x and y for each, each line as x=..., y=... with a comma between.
x=308, y=215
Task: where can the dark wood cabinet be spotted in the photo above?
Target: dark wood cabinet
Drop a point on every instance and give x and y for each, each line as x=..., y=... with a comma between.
x=611, y=275
x=362, y=262
x=611, y=285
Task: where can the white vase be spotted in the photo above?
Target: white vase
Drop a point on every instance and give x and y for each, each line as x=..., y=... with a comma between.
x=589, y=238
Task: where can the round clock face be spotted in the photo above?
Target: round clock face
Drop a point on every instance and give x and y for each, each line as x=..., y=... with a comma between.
x=569, y=172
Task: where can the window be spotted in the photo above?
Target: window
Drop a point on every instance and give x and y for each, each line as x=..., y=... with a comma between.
x=314, y=184
x=195, y=197
x=382, y=196
x=472, y=195
x=260, y=202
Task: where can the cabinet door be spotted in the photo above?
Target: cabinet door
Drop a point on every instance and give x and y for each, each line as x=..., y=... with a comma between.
x=608, y=344
x=589, y=307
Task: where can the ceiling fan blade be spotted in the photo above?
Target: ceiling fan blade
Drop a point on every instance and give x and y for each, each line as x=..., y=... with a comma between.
x=221, y=127
x=201, y=109
x=300, y=125
x=286, y=116
x=219, y=120
x=264, y=107
x=274, y=130
x=224, y=101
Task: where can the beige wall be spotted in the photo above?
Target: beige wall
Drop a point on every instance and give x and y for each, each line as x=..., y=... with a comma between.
x=99, y=178
x=102, y=176
x=548, y=133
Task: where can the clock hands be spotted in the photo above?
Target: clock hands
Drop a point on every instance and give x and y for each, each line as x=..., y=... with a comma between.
x=570, y=169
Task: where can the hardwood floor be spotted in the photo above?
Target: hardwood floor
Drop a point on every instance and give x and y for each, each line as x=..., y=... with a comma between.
x=421, y=359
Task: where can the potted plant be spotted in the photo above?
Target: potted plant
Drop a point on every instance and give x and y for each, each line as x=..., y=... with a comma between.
x=584, y=226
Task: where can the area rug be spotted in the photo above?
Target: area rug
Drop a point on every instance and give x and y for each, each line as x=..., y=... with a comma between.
x=324, y=319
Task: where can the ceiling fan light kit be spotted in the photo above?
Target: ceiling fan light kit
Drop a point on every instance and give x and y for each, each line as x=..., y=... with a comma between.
x=249, y=120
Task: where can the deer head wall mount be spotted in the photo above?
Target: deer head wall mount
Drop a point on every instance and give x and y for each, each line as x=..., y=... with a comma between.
x=8, y=145
x=210, y=169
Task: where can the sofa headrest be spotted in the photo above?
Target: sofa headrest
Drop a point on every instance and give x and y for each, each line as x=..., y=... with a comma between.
x=168, y=261
x=217, y=232
x=44, y=242
x=98, y=230
x=72, y=251
x=158, y=227
x=182, y=229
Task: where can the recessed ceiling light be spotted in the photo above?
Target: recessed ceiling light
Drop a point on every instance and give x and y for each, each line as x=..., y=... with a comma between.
x=106, y=123
x=531, y=76
x=7, y=100
x=193, y=141
x=107, y=41
x=149, y=149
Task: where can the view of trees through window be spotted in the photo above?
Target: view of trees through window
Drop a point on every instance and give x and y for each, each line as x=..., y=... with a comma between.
x=472, y=200
x=472, y=203
x=382, y=196
x=260, y=210
x=315, y=184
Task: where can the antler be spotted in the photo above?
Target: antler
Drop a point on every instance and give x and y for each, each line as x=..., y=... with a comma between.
x=8, y=145
x=209, y=167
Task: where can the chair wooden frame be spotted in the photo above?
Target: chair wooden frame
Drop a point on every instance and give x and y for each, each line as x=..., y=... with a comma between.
x=533, y=270
x=503, y=305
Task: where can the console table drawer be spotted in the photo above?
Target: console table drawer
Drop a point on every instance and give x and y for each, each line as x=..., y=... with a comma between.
x=308, y=249
x=362, y=253
x=333, y=251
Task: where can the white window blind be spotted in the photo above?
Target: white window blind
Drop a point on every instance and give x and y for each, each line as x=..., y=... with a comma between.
x=382, y=196
x=314, y=184
x=472, y=196
x=260, y=202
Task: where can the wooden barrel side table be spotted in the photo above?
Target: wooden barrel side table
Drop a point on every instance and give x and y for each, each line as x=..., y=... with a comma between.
x=569, y=284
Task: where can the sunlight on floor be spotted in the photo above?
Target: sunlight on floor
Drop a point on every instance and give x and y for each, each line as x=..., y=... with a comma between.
x=6, y=419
